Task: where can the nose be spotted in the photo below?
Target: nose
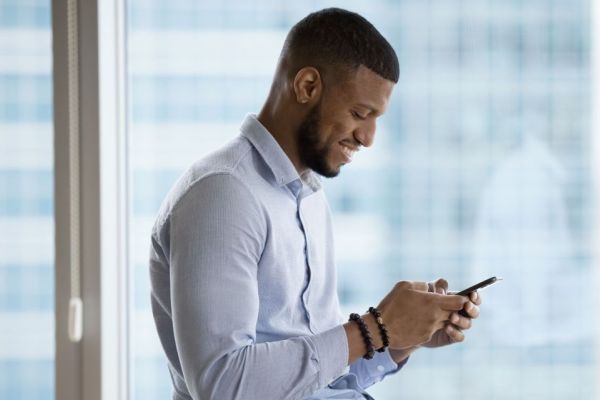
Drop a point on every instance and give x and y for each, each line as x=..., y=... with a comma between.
x=365, y=133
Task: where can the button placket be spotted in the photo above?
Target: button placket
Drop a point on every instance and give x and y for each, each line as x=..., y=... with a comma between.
x=306, y=292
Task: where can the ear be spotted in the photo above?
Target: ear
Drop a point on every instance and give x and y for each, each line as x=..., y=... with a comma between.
x=308, y=85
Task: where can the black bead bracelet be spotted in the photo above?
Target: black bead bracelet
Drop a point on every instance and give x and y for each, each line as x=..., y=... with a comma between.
x=364, y=331
x=382, y=329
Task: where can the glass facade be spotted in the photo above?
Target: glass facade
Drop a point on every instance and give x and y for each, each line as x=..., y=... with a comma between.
x=482, y=166
x=26, y=201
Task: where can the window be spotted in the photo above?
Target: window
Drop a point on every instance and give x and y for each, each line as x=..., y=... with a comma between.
x=26, y=202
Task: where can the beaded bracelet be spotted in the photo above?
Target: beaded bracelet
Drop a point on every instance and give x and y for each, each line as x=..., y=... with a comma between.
x=364, y=331
x=382, y=329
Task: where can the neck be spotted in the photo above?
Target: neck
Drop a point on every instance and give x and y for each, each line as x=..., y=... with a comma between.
x=279, y=121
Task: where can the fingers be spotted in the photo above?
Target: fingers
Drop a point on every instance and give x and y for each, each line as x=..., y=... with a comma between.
x=471, y=310
x=475, y=298
x=450, y=302
x=420, y=286
x=460, y=322
x=412, y=285
x=440, y=286
x=454, y=334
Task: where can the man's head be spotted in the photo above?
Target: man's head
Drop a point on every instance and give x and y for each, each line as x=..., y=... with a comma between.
x=336, y=41
x=335, y=76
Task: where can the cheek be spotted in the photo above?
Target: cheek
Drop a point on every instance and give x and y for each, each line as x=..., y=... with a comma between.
x=337, y=131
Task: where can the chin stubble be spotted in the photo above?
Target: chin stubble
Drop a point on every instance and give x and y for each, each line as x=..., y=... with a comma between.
x=310, y=151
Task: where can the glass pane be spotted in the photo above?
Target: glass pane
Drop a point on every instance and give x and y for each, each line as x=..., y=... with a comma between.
x=482, y=166
x=26, y=201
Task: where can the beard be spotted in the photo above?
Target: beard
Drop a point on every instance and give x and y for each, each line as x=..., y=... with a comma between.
x=312, y=153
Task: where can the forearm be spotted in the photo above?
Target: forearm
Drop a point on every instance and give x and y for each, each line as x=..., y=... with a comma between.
x=294, y=368
x=286, y=369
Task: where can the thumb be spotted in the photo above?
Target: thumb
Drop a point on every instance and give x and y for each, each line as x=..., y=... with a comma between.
x=451, y=302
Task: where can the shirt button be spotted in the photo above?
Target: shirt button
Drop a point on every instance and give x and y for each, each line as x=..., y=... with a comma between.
x=380, y=368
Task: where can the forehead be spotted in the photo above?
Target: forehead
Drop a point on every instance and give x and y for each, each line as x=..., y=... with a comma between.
x=365, y=87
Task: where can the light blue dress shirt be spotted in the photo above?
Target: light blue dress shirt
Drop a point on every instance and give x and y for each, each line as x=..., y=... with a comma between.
x=244, y=283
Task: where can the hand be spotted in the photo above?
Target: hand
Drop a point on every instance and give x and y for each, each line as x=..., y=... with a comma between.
x=452, y=332
x=412, y=314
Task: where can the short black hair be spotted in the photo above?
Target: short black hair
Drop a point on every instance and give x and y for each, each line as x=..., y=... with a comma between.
x=337, y=37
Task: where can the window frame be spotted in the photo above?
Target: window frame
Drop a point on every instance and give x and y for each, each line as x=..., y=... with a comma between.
x=97, y=367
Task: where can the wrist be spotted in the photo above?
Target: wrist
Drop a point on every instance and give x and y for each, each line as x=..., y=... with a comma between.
x=356, y=344
x=374, y=329
x=399, y=355
x=383, y=332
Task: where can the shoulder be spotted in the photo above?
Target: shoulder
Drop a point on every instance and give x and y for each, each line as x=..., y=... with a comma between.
x=217, y=173
x=217, y=190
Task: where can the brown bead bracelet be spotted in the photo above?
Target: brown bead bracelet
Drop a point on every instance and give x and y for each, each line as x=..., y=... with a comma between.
x=364, y=331
x=382, y=329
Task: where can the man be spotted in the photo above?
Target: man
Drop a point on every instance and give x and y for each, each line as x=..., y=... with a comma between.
x=243, y=280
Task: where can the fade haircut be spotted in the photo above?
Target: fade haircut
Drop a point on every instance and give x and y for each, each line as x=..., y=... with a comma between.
x=338, y=38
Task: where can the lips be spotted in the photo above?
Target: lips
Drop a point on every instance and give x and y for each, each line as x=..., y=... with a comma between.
x=348, y=152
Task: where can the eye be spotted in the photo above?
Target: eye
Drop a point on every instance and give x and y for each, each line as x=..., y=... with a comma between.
x=358, y=116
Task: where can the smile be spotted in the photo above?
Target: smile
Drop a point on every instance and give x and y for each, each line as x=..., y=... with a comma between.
x=348, y=152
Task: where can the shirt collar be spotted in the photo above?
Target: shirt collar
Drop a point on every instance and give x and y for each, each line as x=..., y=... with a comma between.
x=271, y=152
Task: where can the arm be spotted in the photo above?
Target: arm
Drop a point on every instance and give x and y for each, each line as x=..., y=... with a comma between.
x=217, y=231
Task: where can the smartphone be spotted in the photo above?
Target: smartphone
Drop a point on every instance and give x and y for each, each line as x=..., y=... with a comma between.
x=477, y=286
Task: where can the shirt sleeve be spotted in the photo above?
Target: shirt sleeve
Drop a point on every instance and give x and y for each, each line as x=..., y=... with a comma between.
x=217, y=231
x=374, y=370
